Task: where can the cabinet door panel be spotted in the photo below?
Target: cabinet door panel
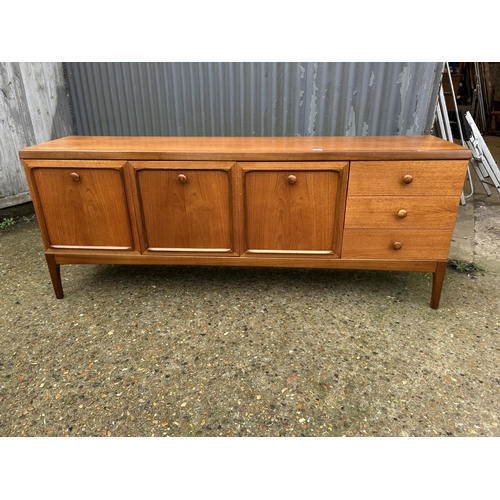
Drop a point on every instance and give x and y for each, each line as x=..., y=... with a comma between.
x=84, y=207
x=186, y=208
x=293, y=208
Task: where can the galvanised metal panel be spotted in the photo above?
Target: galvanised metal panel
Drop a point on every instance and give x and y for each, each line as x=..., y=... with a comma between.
x=254, y=99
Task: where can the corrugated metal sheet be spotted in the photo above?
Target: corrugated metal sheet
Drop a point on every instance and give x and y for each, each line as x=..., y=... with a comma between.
x=254, y=99
x=34, y=107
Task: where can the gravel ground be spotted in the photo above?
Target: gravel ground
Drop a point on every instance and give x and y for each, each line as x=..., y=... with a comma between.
x=192, y=351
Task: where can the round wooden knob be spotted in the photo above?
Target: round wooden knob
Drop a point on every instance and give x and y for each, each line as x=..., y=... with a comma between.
x=182, y=178
x=74, y=176
x=397, y=245
x=408, y=179
x=402, y=213
x=292, y=179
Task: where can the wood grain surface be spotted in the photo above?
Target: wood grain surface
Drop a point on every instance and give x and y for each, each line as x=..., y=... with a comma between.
x=292, y=207
x=379, y=244
x=387, y=177
x=186, y=207
x=430, y=212
x=90, y=212
x=248, y=148
x=384, y=203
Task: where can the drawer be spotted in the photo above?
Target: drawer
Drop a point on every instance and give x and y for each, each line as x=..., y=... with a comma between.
x=407, y=177
x=403, y=212
x=383, y=244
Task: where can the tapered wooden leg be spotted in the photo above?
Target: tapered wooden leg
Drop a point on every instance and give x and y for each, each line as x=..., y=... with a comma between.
x=437, y=282
x=55, y=274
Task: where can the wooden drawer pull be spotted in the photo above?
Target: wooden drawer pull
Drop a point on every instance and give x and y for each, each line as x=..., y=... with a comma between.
x=402, y=213
x=74, y=176
x=292, y=179
x=182, y=178
x=408, y=179
x=397, y=245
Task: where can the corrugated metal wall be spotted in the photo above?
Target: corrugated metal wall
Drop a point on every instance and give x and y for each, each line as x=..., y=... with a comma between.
x=207, y=99
x=255, y=99
x=34, y=107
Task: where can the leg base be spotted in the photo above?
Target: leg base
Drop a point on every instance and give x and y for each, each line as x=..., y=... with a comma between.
x=437, y=282
x=55, y=274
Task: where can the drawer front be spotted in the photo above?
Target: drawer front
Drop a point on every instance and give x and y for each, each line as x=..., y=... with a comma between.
x=396, y=244
x=402, y=212
x=407, y=177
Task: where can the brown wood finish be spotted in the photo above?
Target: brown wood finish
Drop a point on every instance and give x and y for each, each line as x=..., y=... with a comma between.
x=93, y=257
x=388, y=177
x=293, y=208
x=437, y=282
x=55, y=274
x=253, y=201
x=186, y=206
x=82, y=205
x=404, y=212
x=248, y=148
x=379, y=244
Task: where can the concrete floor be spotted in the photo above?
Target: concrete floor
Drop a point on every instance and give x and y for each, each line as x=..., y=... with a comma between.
x=462, y=247
x=185, y=351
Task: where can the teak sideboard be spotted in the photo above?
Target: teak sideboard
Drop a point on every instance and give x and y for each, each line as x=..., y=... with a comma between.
x=378, y=203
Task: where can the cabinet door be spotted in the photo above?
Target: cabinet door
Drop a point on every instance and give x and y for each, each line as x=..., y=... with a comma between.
x=82, y=205
x=186, y=206
x=293, y=208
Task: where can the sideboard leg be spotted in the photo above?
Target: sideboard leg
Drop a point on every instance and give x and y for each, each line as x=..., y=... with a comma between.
x=437, y=282
x=55, y=274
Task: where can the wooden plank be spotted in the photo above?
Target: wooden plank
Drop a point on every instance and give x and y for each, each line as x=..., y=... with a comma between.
x=17, y=129
x=15, y=199
x=33, y=108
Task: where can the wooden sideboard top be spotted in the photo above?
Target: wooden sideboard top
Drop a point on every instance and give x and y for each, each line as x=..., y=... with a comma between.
x=247, y=148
